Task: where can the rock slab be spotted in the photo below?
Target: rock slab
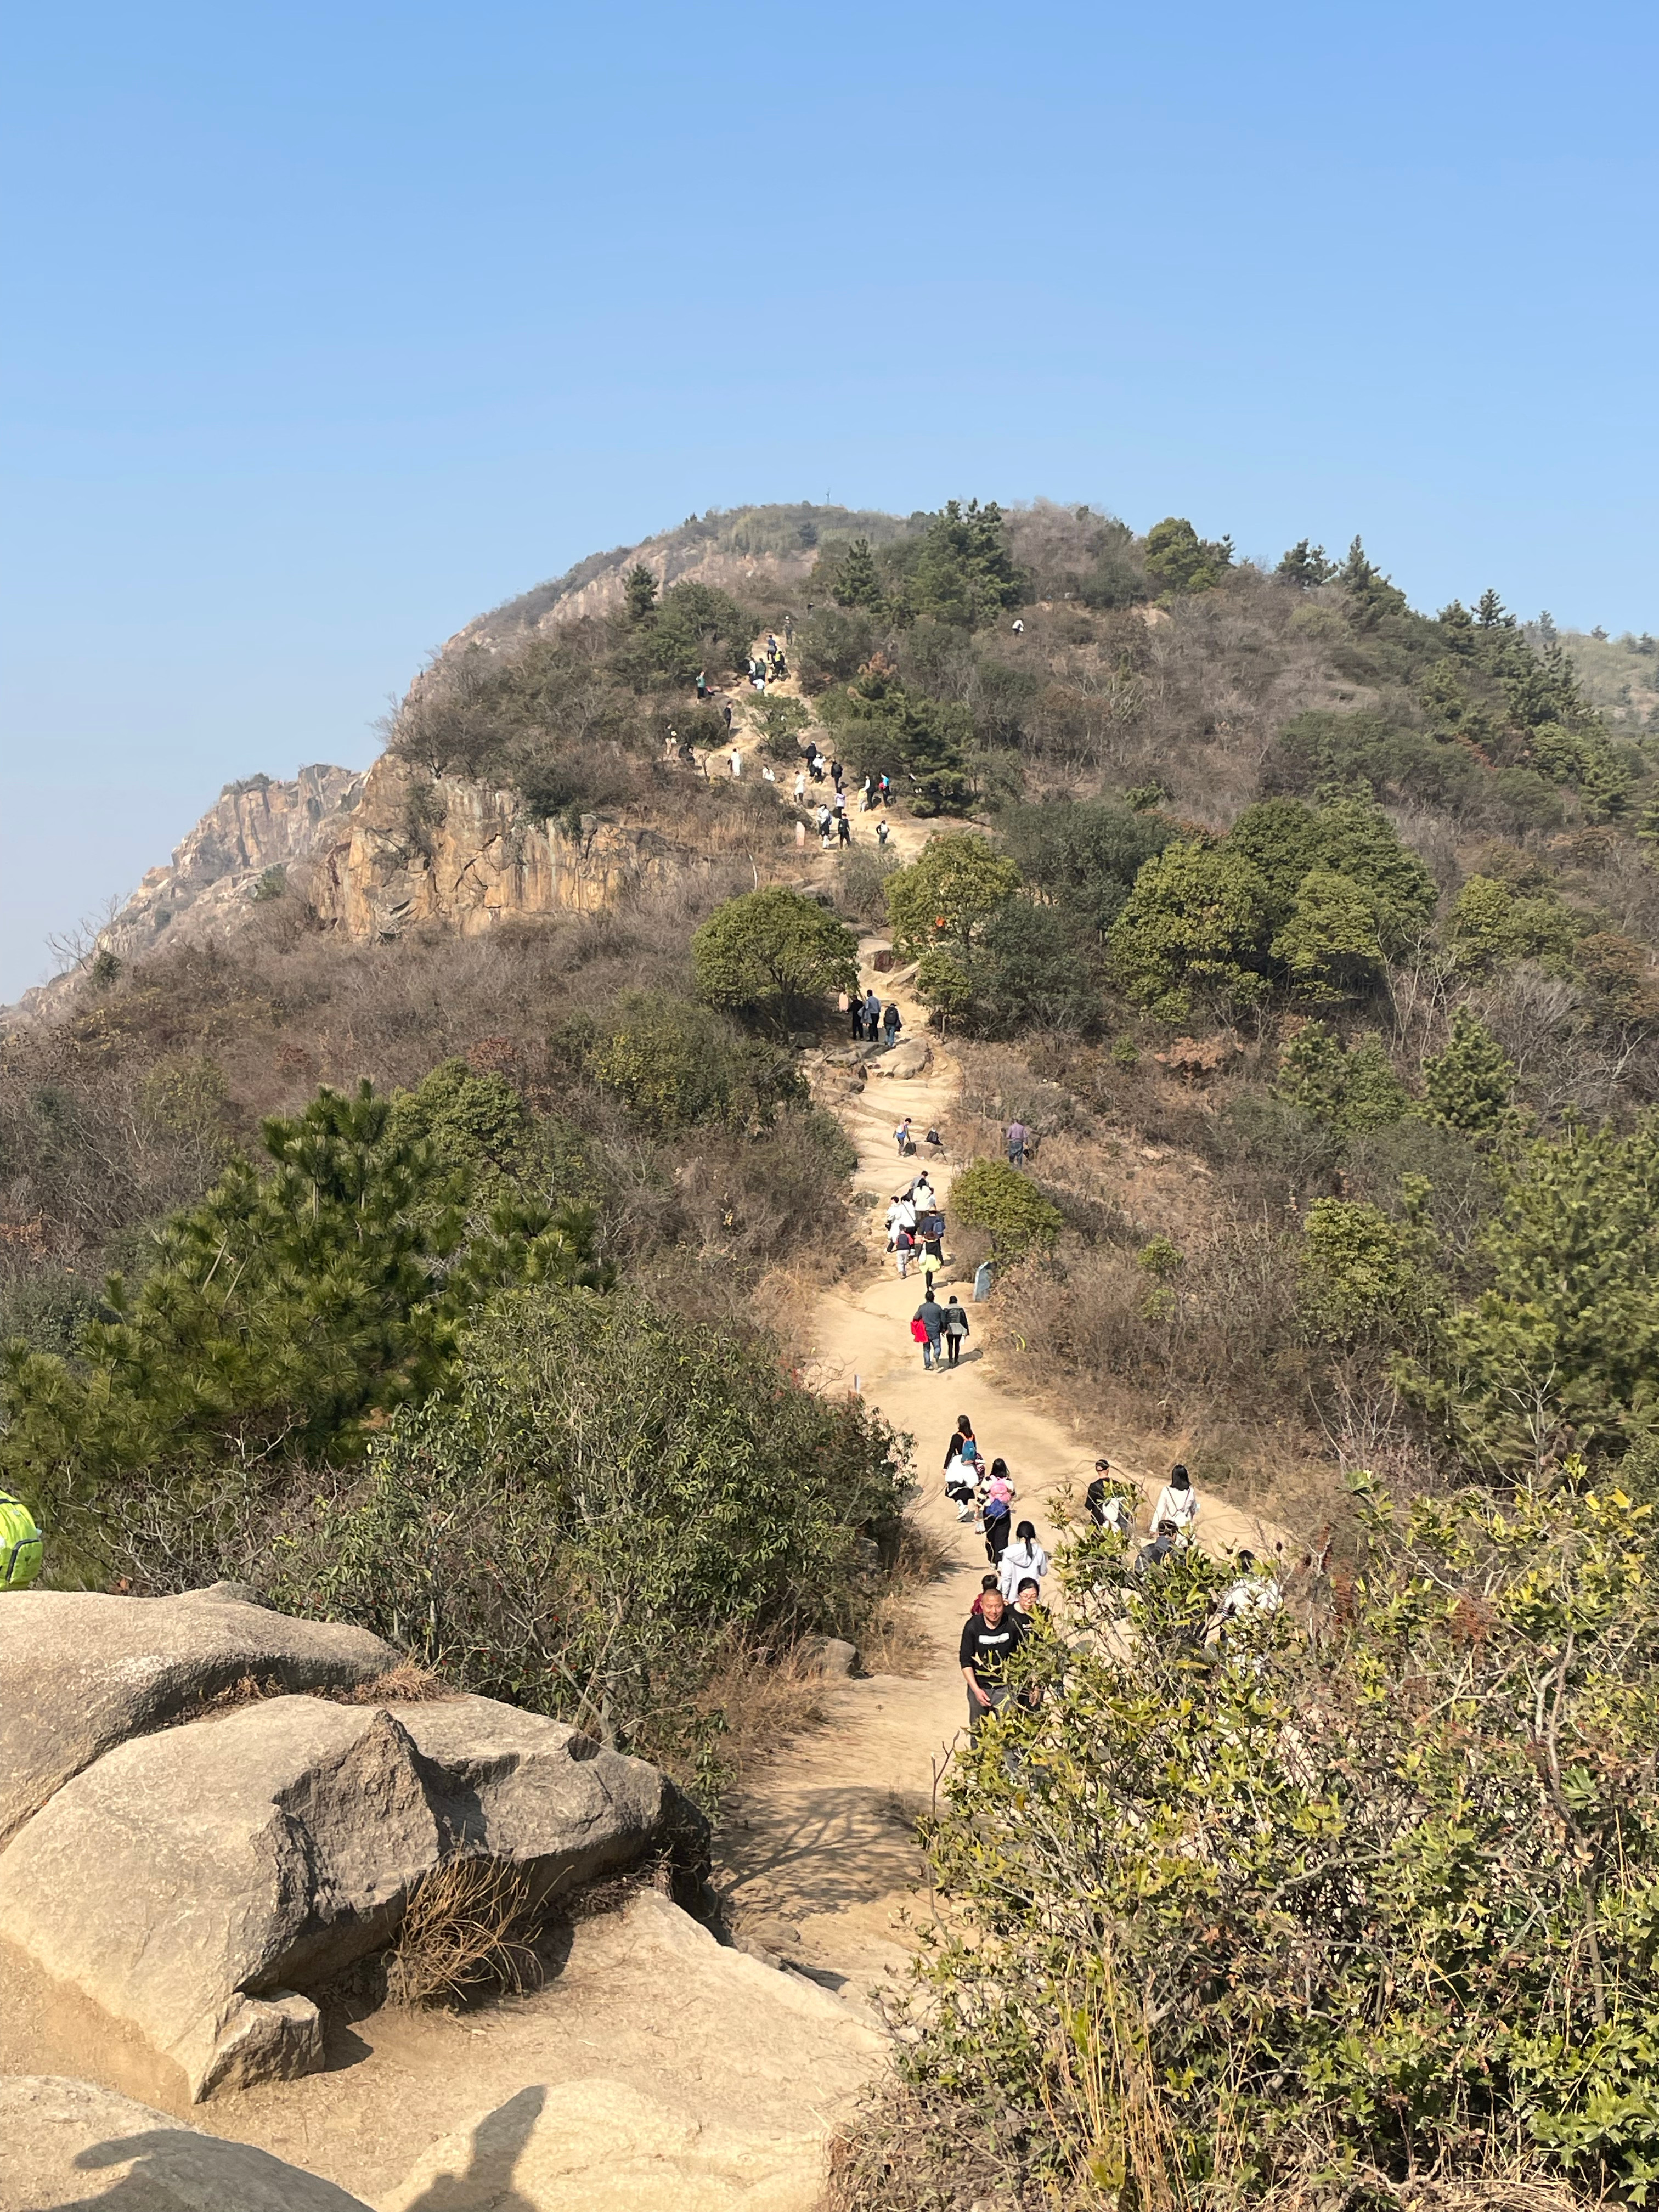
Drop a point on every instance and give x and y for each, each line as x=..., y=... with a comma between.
x=82, y=1673
x=191, y=1886
x=70, y=2145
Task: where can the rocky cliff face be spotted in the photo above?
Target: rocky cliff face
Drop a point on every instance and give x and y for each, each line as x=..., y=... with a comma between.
x=420, y=848
x=242, y=846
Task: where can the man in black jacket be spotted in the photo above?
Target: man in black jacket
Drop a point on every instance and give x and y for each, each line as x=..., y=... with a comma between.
x=990, y=1639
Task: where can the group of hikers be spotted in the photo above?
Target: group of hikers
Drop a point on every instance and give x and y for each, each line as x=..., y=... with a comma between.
x=873, y=1023
x=1010, y=1601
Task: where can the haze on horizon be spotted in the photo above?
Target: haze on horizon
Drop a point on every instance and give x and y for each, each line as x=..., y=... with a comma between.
x=335, y=327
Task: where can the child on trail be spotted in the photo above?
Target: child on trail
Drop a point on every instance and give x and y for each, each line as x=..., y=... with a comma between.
x=997, y=1512
x=1023, y=1556
x=903, y=1244
x=1177, y=1503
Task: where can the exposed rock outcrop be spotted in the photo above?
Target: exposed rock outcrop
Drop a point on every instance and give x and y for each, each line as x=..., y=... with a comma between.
x=192, y=1884
x=424, y=849
x=80, y=1673
x=68, y=2144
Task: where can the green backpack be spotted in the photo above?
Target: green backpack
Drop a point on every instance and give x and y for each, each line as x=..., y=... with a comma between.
x=21, y=1548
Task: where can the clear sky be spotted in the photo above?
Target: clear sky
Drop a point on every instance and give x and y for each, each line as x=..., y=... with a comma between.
x=332, y=325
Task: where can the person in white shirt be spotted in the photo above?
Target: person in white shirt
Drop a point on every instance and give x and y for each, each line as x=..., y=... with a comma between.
x=1178, y=1502
x=1023, y=1556
x=1254, y=1593
x=922, y=1194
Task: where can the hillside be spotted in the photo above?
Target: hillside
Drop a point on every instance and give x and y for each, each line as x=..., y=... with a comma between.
x=1312, y=938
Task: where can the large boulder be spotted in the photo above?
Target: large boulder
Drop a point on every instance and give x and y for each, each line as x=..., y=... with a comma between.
x=82, y=1673
x=904, y=1061
x=193, y=1884
x=67, y=2144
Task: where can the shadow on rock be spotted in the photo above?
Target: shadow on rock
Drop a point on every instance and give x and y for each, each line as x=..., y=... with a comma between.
x=498, y=2142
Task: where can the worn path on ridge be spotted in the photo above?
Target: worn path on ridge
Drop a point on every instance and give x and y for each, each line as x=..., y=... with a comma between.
x=816, y=1856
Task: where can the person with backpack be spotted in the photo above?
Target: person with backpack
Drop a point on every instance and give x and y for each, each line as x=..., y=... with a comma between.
x=961, y=1469
x=998, y=1511
x=23, y=1549
x=1024, y=1556
x=891, y=1022
x=929, y=1316
x=956, y=1331
x=904, y=1244
x=843, y=830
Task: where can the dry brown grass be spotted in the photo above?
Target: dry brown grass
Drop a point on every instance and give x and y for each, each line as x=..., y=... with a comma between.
x=469, y=1925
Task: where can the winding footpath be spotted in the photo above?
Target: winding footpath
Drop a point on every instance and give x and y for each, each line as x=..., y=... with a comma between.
x=818, y=1857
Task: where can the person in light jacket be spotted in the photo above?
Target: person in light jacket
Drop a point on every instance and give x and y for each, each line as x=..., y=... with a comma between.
x=956, y=1331
x=1023, y=1556
x=1177, y=1501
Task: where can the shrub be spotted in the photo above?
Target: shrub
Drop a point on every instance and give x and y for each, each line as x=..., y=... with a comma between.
x=1195, y=926
x=995, y=1197
x=1471, y=1084
x=774, y=955
x=1226, y=1921
x=676, y=1065
x=614, y=1493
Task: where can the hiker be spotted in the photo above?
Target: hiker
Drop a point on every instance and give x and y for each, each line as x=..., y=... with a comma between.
x=867, y=797
x=771, y=644
x=727, y=712
x=885, y=788
x=921, y=1191
x=901, y=1214
x=881, y=835
x=737, y=761
x=838, y=804
x=789, y=629
x=961, y=1467
x=935, y=1144
x=801, y=786
x=986, y=1584
x=834, y=774
x=929, y=1318
x=1105, y=1506
x=858, y=1021
x=1024, y=1556
x=892, y=1024
x=1252, y=1594
x=930, y=1229
x=766, y=777
x=1015, y=1143
x=1028, y=1604
x=22, y=1545
x=988, y=1642
x=815, y=765
x=1155, y=1553
x=998, y=1511
x=957, y=1330
x=1177, y=1501
x=872, y=1013
x=1018, y=627
x=702, y=683
x=844, y=830
x=904, y=1244
x=907, y=1145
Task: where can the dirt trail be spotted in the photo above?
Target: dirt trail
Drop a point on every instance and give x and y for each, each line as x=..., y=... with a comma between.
x=818, y=1861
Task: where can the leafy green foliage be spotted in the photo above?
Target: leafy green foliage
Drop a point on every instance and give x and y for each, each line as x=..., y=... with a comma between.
x=677, y=1066
x=887, y=728
x=1471, y=1084
x=965, y=574
x=1353, y=1087
x=1306, y=567
x=1226, y=1921
x=280, y=1317
x=857, y=579
x=1084, y=854
x=613, y=1498
x=1179, y=560
x=1363, y=1273
x=773, y=954
x=1330, y=946
x=994, y=1196
x=1490, y=925
x=941, y=908
x=1194, y=928
x=1563, y=1345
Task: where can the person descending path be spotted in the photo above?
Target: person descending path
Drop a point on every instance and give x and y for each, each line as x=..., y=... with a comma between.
x=988, y=1642
x=961, y=1469
x=1023, y=1556
x=999, y=1512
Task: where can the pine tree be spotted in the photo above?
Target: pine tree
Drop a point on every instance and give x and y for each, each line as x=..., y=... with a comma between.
x=1305, y=567
x=1471, y=1085
x=857, y=579
x=639, y=592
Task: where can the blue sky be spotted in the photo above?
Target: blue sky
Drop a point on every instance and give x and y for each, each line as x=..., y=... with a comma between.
x=330, y=327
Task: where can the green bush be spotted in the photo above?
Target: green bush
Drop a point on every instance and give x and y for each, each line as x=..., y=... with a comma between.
x=1225, y=1924
x=675, y=1066
x=1194, y=928
x=774, y=955
x=995, y=1197
x=615, y=1498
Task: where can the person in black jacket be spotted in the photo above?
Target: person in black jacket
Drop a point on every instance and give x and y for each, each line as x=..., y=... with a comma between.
x=989, y=1640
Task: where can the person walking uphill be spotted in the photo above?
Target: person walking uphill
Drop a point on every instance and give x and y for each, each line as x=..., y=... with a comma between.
x=956, y=1331
x=989, y=1641
x=1024, y=1558
x=998, y=1511
x=929, y=1317
x=1177, y=1501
